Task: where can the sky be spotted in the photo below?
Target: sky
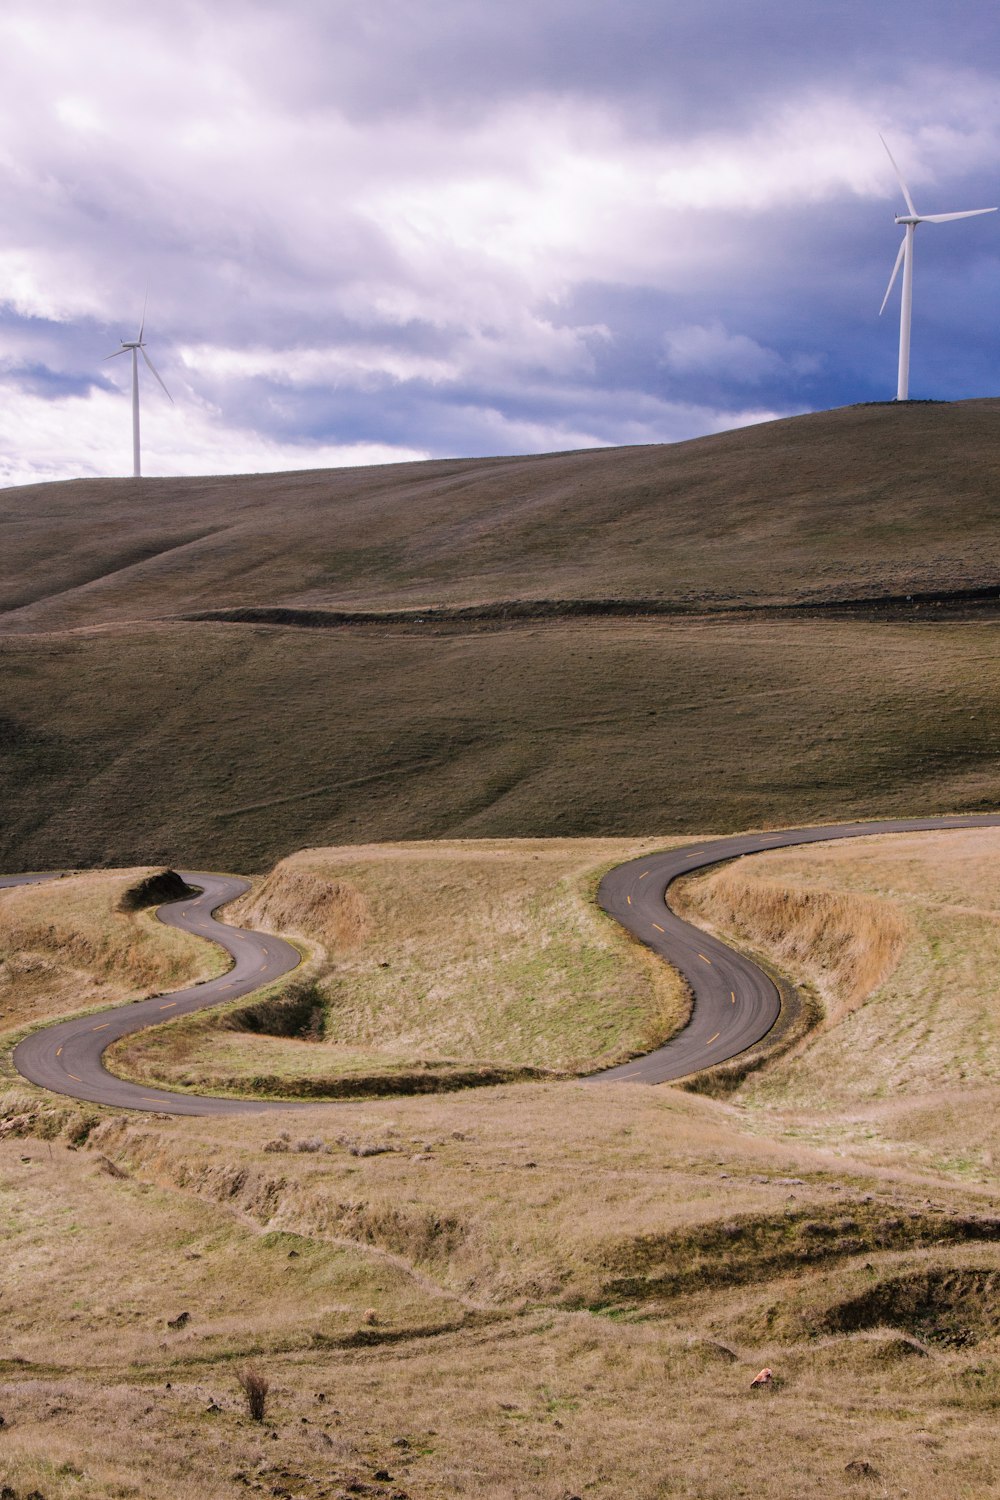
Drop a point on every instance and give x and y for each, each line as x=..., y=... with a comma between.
x=377, y=230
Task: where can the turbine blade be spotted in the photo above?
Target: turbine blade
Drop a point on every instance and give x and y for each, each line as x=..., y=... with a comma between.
x=969, y=213
x=155, y=372
x=895, y=273
x=142, y=321
x=899, y=178
x=115, y=355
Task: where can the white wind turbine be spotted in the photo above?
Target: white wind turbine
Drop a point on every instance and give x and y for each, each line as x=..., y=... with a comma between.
x=905, y=258
x=137, y=347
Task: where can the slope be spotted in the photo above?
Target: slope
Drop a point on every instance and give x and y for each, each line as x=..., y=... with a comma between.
x=143, y=721
x=864, y=500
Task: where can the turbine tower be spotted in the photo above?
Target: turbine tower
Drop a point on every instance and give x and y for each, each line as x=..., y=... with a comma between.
x=137, y=347
x=910, y=221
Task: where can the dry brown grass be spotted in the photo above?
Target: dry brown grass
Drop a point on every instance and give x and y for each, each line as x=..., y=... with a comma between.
x=501, y=1360
x=580, y=726
x=65, y=946
x=539, y=1292
x=821, y=505
x=845, y=944
x=443, y=957
x=574, y=728
x=911, y=1075
x=300, y=897
x=255, y=1385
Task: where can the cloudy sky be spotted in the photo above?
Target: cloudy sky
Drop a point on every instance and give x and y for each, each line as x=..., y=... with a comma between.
x=378, y=229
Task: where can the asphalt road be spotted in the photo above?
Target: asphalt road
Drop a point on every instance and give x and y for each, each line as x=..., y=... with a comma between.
x=67, y=1058
x=735, y=1003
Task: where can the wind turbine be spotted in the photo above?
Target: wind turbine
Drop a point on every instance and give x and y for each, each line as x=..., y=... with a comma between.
x=910, y=221
x=137, y=347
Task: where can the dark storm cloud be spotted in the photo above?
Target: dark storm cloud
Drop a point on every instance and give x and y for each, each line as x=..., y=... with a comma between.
x=682, y=65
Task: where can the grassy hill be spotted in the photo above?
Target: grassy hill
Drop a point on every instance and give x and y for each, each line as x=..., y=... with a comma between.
x=133, y=733
x=543, y=1289
x=866, y=499
x=429, y=965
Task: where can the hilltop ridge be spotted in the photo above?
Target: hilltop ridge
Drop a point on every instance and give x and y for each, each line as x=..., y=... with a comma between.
x=867, y=499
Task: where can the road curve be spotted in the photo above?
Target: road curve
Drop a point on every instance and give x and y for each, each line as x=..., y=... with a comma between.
x=67, y=1058
x=735, y=1003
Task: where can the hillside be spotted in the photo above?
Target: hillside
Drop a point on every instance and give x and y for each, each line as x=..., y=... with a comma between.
x=546, y=1289
x=872, y=499
x=133, y=732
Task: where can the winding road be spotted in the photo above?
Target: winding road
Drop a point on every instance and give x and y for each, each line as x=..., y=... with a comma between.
x=67, y=1058
x=735, y=1003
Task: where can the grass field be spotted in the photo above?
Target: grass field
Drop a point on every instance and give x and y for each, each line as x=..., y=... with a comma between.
x=232, y=746
x=437, y=960
x=520, y=1295
x=66, y=946
x=547, y=1289
x=865, y=500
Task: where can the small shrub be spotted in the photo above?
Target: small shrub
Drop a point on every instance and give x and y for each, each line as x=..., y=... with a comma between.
x=255, y=1387
x=154, y=890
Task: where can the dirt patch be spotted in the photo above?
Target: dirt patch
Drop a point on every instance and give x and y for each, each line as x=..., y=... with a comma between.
x=951, y=604
x=334, y=913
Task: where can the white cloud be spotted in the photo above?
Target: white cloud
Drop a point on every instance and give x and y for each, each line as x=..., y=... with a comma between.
x=710, y=349
x=348, y=364
x=78, y=437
